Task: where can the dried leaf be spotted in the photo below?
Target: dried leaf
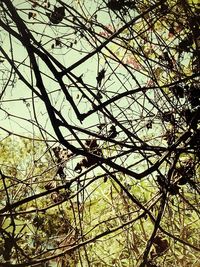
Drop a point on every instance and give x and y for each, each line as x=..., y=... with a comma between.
x=178, y=91
x=8, y=245
x=50, y=185
x=30, y=14
x=92, y=147
x=78, y=167
x=57, y=15
x=100, y=76
x=56, y=197
x=168, y=117
x=161, y=245
x=112, y=133
x=57, y=42
x=174, y=189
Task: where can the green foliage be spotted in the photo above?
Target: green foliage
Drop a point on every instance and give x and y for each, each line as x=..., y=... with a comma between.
x=42, y=225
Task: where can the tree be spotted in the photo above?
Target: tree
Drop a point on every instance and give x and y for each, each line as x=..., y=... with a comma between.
x=100, y=151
